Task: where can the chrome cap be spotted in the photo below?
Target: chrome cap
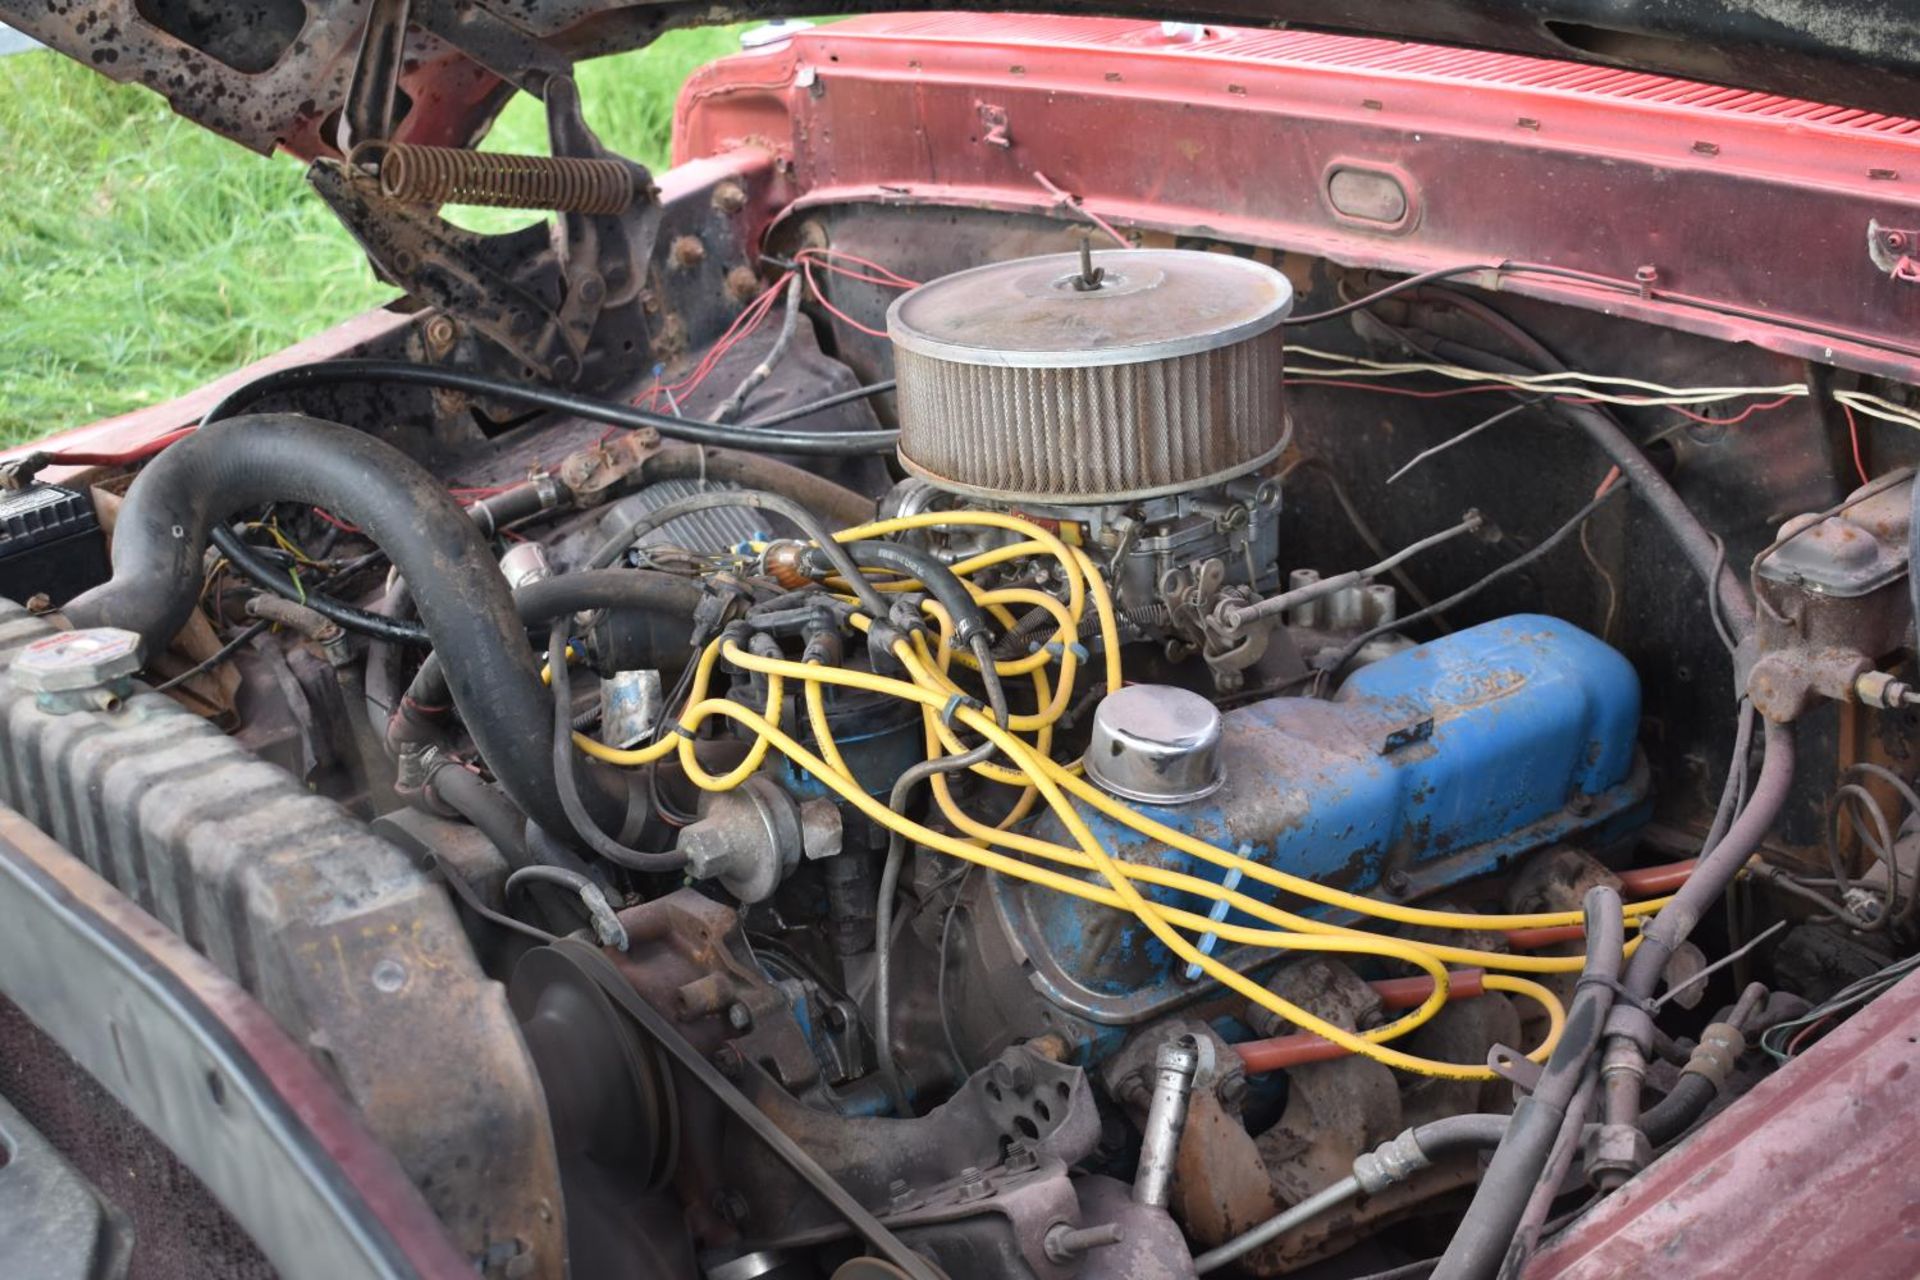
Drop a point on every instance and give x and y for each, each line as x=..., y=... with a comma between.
x=1156, y=744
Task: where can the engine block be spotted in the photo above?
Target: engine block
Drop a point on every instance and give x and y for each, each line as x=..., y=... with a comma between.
x=1441, y=763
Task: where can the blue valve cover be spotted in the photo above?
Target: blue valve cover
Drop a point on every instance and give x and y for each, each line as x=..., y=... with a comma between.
x=1432, y=766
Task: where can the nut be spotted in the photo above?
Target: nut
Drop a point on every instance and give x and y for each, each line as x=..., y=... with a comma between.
x=1615, y=1152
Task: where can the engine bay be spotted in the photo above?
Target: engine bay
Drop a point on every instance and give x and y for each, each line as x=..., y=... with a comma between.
x=769, y=729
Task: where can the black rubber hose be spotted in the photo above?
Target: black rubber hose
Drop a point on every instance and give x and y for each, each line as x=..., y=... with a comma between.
x=516, y=504
x=883, y=918
x=667, y=599
x=463, y=601
x=837, y=504
x=1913, y=555
x=823, y=404
x=383, y=660
x=969, y=619
x=1670, y=1117
x=565, y=775
x=817, y=444
x=263, y=573
x=486, y=810
x=1480, y=1243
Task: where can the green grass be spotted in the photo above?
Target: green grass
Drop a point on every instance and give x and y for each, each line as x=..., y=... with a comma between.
x=141, y=256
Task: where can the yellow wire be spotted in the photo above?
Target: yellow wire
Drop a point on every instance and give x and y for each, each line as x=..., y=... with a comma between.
x=1040, y=777
x=1118, y=892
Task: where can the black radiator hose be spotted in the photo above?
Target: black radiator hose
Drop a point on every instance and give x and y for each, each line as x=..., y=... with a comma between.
x=662, y=603
x=462, y=599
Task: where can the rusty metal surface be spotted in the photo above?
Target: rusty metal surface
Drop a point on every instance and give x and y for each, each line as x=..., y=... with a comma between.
x=205, y=1066
x=1815, y=1172
x=455, y=175
x=348, y=946
x=270, y=71
x=1236, y=137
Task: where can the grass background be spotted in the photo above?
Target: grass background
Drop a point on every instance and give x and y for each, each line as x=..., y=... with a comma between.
x=141, y=256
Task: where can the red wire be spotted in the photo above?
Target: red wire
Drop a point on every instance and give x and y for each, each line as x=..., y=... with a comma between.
x=893, y=277
x=336, y=522
x=1853, y=430
x=744, y=324
x=1738, y=418
x=139, y=453
x=1793, y=1045
x=806, y=269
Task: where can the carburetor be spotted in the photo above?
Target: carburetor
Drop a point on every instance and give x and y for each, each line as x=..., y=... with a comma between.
x=1130, y=397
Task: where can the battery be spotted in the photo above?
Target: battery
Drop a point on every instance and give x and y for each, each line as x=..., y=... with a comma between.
x=51, y=544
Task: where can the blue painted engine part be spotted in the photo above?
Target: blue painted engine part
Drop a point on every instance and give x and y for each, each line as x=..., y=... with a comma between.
x=1435, y=765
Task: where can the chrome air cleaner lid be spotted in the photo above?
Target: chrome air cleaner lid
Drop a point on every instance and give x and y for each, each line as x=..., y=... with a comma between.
x=1129, y=374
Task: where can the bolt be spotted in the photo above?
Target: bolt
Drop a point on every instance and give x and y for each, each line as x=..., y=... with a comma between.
x=1020, y=1157
x=1579, y=804
x=730, y=1205
x=727, y=1060
x=973, y=1184
x=687, y=251
x=899, y=1193
x=39, y=602
x=1065, y=1243
x=1232, y=1091
x=742, y=284
x=440, y=335
x=836, y=1017
x=1397, y=883
x=1896, y=240
x=728, y=197
x=1646, y=277
x=389, y=975
x=739, y=1017
x=591, y=291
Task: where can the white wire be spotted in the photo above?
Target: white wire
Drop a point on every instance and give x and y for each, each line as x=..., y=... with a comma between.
x=1591, y=394
x=1545, y=379
x=1545, y=383
x=1874, y=407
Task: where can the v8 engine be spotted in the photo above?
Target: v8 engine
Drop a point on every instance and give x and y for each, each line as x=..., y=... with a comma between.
x=1036, y=796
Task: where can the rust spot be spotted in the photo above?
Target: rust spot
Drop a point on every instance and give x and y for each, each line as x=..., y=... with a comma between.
x=742, y=284
x=687, y=251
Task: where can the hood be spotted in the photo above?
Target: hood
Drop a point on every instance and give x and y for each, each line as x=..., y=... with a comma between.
x=276, y=73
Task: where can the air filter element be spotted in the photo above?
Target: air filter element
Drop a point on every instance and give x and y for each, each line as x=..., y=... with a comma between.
x=1034, y=381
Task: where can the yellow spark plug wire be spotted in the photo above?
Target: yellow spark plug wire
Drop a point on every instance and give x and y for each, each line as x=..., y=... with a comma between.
x=1119, y=892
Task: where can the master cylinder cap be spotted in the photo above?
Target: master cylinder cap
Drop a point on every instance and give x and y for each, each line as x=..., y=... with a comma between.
x=1156, y=744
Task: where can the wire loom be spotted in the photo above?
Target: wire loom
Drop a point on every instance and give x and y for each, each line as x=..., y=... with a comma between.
x=1084, y=869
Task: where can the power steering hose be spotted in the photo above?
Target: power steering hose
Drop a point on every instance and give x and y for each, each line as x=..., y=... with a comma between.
x=1630, y=1032
x=461, y=596
x=1480, y=1242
